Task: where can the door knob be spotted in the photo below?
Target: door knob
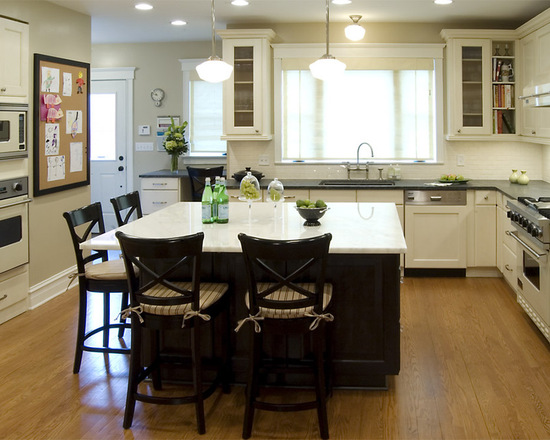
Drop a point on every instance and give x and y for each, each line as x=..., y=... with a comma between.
x=120, y=157
x=121, y=168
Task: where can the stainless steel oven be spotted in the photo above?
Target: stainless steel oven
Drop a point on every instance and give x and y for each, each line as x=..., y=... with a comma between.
x=13, y=131
x=14, y=223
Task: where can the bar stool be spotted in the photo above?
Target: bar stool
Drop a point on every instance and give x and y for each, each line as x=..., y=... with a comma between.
x=105, y=277
x=287, y=295
x=169, y=295
x=197, y=176
x=127, y=202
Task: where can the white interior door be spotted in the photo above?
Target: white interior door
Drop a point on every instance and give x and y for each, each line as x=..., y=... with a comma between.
x=108, y=127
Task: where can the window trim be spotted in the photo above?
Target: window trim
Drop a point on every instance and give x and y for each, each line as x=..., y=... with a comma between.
x=363, y=50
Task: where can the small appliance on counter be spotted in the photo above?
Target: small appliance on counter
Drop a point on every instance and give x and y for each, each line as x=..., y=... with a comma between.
x=13, y=131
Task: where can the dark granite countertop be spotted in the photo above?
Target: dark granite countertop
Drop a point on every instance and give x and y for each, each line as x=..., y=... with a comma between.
x=535, y=188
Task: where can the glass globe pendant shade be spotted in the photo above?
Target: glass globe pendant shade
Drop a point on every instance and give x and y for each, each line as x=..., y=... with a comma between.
x=214, y=70
x=355, y=32
x=326, y=68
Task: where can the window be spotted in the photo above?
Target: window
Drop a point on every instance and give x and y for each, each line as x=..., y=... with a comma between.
x=393, y=103
x=203, y=110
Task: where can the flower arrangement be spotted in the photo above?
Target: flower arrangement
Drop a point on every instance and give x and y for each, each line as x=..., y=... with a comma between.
x=174, y=142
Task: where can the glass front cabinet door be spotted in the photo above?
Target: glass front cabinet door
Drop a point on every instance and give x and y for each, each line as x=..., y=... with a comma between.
x=247, y=93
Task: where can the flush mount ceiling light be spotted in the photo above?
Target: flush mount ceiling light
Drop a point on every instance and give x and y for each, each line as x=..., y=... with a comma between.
x=239, y=3
x=443, y=2
x=355, y=31
x=214, y=70
x=143, y=6
x=178, y=22
x=327, y=67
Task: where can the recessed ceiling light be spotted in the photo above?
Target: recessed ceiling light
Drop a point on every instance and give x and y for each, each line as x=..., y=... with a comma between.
x=178, y=22
x=443, y=2
x=341, y=2
x=143, y=6
x=239, y=3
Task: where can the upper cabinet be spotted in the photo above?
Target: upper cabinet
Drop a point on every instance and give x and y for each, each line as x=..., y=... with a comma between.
x=14, y=68
x=480, y=84
x=247, y=93
x=535, y=71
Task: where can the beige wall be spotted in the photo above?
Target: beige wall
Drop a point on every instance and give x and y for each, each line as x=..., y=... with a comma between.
x=62, y=33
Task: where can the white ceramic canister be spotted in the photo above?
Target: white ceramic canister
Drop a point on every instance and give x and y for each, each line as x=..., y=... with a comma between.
x=523, y=179
x=514, y=176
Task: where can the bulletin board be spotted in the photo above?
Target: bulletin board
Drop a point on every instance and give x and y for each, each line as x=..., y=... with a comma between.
x=61, y=124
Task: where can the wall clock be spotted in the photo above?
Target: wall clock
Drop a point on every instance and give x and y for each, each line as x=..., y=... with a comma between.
x=157, y=95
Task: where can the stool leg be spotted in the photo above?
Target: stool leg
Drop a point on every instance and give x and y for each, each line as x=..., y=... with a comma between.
x=197, y=374
x=320, y=382
x=106, y=318
x=81, y=327
x=123, y=305
x=252, y=385
x=133, y=373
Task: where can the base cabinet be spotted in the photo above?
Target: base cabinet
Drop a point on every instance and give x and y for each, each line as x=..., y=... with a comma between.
x=485, y=229
x=506, y=245
x=158, y=193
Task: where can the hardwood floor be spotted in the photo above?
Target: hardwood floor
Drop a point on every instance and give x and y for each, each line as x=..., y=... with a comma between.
x=473, y=366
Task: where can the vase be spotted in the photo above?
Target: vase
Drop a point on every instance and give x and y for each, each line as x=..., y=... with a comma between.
x=514, y=177
x=174, y=158
x=523, y=179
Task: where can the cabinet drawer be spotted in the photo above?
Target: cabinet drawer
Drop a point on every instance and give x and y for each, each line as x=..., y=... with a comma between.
x=509, y=266
x=340, y=195
x=380, y=195
x=14, y=287
x=159, y=183
x=152, y=201
x=485, y=197
x=507, y=239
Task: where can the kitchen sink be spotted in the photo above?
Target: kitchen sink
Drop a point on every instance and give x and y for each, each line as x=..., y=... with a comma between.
x=353, y=182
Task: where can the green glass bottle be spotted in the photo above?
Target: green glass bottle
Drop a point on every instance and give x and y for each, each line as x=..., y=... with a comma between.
x=206, y=201
x=223, y=203
x=215, y=199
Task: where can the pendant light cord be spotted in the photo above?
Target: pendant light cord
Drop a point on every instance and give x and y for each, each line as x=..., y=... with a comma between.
x=327, y=21
x=213, y=29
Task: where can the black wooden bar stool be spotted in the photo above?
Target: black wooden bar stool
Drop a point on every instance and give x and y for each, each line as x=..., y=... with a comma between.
x=126, y=205
x=105, y=277
x=287, y=296
x=168, y=295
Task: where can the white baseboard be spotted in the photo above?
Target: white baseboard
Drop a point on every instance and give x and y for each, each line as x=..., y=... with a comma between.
x=50, y=288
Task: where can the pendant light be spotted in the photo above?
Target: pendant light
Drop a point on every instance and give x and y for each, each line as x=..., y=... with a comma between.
x=214, y=69
x=355, y=31
x=327, y=67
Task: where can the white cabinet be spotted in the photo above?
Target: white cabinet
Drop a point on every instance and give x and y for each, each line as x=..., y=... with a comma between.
x=480, y=100
x=14, y=292
x=159, y=192
x=340, y=195
x=384, y=196
x=485, y=229
x=14, y=68
x=247, y=94
x=535, y=70
x=506, y=245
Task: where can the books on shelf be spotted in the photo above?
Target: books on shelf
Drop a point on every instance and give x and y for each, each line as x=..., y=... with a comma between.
x=503, y=95
x=503, y=122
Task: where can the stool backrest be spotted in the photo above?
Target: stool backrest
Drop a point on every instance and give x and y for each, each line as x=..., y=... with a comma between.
x=275, y=264
x=161, y=262
x=128, y=202
x=197, y=176
x=81, y=222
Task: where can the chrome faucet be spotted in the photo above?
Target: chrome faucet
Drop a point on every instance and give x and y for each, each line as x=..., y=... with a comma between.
x=358, y=165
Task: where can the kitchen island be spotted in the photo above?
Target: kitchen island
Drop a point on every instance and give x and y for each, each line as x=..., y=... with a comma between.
x=363, y=268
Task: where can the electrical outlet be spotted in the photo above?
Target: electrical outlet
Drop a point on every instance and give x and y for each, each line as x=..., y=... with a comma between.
x=144, y=146
x=460, y=160
x=263, y=160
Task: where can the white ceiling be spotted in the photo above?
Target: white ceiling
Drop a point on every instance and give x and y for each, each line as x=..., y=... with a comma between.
x=117, y=21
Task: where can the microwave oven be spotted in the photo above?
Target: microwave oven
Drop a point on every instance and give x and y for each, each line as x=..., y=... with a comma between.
x=13, y=131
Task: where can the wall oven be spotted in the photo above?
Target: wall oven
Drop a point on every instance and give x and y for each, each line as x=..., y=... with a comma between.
x=14, y=247
x=13, y=130
x=532, y=219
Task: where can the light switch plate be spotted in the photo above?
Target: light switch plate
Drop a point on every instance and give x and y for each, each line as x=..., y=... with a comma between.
x=460, y=160
x=144, y=130
x=144, y=146
x=263, y=160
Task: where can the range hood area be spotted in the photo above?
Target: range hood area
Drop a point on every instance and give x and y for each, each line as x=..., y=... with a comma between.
x=536, y=96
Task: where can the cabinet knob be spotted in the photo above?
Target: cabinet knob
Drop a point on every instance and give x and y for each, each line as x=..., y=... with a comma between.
x=486, y=197
x=533, y=132
x=3, y=89
x=459, y=130
x=3, y=297
x=508, y=268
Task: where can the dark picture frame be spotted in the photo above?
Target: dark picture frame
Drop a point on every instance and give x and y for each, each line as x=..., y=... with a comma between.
x=61, y=124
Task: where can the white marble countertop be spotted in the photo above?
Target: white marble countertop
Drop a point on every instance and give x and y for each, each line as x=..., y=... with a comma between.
x=357, y=228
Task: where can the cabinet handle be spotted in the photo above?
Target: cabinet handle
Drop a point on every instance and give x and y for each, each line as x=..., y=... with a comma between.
x=435, y=198
x=160, y=203
x=459, y=130
x=159, y=184
x=486, y=197
x=4, y=297
x=3, y=89
x=533, y=132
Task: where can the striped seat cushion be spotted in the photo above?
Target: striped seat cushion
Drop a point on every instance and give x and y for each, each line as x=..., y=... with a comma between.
x=210, y=293
x=106, y=270
x=287, y=294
